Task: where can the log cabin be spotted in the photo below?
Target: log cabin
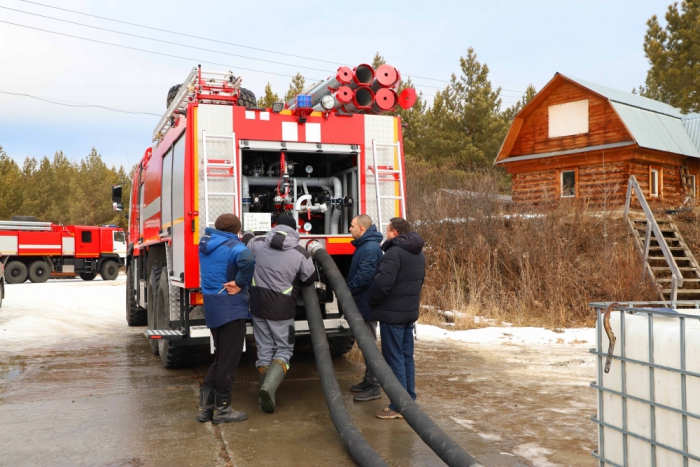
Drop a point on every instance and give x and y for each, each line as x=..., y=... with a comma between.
x=580, y=140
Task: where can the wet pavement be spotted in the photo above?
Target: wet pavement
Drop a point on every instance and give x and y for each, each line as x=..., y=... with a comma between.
x=104, y=400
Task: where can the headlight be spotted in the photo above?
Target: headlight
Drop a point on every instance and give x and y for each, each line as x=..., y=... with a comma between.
x=328, y=102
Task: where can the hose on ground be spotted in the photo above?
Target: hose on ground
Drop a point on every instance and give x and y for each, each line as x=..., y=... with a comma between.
x=359, y=448
x=444, y=446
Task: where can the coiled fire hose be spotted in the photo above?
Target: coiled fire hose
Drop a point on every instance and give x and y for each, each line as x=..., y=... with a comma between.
x=444, y=446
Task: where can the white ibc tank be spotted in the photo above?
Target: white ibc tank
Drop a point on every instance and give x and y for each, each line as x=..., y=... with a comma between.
x=648, y=409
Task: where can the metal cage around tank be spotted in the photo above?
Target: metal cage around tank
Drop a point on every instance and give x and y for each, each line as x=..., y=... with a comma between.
x=647, y=384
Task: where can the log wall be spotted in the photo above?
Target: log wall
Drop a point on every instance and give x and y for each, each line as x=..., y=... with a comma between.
x=604, y=126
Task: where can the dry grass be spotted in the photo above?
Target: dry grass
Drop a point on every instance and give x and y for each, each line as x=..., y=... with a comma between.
x=525, y=266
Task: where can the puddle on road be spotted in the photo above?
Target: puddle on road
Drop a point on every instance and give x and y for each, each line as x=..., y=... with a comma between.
x=11, y=370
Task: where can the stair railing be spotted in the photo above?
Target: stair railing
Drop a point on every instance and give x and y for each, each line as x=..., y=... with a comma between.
x=652, y=226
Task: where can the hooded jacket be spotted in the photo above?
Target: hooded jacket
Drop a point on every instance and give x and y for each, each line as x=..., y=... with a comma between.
x=282, y=266
x=365, y=260
x=224, y=258
x=395, y=293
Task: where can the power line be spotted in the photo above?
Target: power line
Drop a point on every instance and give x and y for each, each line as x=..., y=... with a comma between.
x=220, y=41
x=163, y=41
x=190, y=59
x=133, y=112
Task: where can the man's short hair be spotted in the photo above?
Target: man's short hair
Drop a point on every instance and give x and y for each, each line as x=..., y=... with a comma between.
x=228, y=223
x=364, y=220
x=400, y=225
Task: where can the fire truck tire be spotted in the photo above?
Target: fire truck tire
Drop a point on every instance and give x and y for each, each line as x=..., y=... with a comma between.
x=340, y=345
x=39, y=272
x=170, y=356
x=109, y=270
x=135, y=315
x=15, y=272
x=152, y=305
x=172, y=92
x=247, y=98
x=88, y=276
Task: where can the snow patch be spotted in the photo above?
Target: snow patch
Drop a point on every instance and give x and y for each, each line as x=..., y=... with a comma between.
x=535, y=454
x=469, y=424
x=503, y=334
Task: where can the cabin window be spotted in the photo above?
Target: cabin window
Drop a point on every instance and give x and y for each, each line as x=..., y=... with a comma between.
x=654, y=183
x=568, y=184
x=568, y=119
x=86, y=236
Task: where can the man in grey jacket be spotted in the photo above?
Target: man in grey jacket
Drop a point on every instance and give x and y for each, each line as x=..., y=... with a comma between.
x=282, y=267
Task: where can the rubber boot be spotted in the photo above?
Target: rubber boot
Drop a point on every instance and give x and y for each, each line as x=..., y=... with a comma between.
x=206, y=405
x=223, y=411
x=272, y=381
x=262, y=370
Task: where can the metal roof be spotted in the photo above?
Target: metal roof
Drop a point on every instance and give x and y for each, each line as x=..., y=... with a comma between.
x=656, y=130
x=692, y=127
x=565, y=152
x=633, y=100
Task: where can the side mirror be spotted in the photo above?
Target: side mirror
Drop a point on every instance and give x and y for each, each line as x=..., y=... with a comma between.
x=117, y=195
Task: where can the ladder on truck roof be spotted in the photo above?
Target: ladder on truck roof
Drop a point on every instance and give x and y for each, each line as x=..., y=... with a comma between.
x=219, y=170
x=387, y=174
x=26, y=225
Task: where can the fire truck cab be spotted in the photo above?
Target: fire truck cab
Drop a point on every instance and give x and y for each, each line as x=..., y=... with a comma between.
x=210, y=156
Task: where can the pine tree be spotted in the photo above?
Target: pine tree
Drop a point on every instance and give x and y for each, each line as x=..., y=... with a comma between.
x=378, y=61
x=265, y=101
x=413, y=122
x=11, y=187
x=295, y=87
x=510, y=112
x=674, y=55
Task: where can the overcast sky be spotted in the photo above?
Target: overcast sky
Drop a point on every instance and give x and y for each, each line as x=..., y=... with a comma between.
x=521, y=41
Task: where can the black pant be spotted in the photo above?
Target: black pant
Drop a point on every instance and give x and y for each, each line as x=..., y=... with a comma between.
x=228, y=340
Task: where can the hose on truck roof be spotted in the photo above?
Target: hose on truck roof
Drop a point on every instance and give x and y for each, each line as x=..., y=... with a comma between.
x=444, y=446
x=359, y=448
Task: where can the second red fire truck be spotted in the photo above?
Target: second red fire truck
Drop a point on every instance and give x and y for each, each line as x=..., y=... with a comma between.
x=215, y=152
x=38, y=250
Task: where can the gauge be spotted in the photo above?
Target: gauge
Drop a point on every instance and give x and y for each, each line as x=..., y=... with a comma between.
x=307, y=226
x=309, y=169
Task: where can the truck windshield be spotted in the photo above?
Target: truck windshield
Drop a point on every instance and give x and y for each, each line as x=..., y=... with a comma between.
x=119, y=237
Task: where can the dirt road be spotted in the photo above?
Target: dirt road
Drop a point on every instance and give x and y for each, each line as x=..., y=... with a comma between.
x=78, y=387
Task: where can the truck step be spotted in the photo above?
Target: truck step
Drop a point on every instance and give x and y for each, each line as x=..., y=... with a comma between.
x=164, y=334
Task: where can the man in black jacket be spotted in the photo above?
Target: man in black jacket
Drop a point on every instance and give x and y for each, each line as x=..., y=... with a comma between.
x=395, y=302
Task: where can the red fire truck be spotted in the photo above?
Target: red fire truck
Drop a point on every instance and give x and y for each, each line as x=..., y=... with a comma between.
x=38, y=250
x=214, y=152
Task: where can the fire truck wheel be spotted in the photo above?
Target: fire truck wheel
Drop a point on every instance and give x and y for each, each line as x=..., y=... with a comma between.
x=135, y=315
x=340, y=345
x=172, y=92
x=15, y=272
x=39, y=272
x=151, y=305
x=109, y=270
x=170, y=356
x=247, y=98
x=88, y=276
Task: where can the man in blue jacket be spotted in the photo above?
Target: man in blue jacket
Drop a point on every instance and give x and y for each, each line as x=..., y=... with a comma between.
x=227, y=268
x=368, y=254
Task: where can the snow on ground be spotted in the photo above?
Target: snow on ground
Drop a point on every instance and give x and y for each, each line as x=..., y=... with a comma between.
x=60, y=311
x=509, y=334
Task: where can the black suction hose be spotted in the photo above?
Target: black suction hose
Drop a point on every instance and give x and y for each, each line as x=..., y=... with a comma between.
x=444, y=446
x=359, y=449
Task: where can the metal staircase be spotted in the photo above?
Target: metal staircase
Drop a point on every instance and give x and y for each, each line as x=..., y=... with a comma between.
x=668, y=261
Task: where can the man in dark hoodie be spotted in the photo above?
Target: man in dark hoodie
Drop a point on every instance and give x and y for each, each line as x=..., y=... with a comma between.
x=226, y=267
x=368, y=254
x=395, y=301
x=282, y=266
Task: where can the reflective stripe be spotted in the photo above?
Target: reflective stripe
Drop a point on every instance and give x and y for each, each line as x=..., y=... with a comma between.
x=281, y=232
x=288, y=291
x=253, y=281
